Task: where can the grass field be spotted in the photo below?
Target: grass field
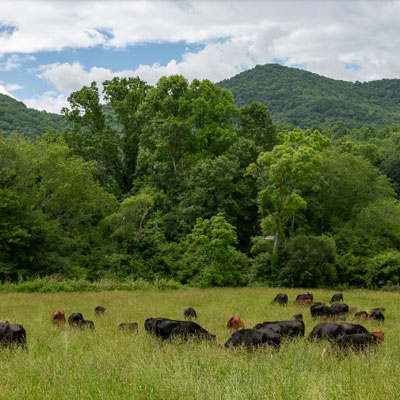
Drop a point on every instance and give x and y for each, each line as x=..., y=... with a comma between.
x=70, y=364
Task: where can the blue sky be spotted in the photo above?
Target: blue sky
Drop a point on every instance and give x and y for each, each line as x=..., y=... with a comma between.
x=49, y=49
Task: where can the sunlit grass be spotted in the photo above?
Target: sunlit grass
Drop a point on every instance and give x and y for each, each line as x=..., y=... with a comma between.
x=70, y=364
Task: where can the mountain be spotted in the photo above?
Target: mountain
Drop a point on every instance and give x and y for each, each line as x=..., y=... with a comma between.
x=15, y=116
x=305, y=99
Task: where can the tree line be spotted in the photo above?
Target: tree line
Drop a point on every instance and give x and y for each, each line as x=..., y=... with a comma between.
x=174, y=181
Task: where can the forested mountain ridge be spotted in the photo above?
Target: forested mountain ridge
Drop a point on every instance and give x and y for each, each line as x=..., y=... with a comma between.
x=16, y=116
x=305, y=99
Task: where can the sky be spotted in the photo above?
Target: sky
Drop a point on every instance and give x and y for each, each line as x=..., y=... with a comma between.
x=50, y=48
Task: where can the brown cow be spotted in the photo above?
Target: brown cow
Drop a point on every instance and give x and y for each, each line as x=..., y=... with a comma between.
x=234, y=323
x=380, y=336
x=306, y=302
x=58, y=317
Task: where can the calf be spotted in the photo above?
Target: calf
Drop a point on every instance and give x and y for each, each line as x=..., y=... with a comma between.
x=298, y=317
x=251, y=338
x=306, y=302
x=189, y=313
x=358, y=341
x=336, y=298
x=234, y=323
x=331, y=330
x=58, y=317
x=292, y=328
x=128, y=327
x=99, y=310
x=12, y=335
x=377, y=315
x=75, y=319
x=361, y=315
x=307, y=296
x=281, y=299
x=166, y=328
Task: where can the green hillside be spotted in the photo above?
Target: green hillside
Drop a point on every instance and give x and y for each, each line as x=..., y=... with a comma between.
x=306, y=99
x=15, y=116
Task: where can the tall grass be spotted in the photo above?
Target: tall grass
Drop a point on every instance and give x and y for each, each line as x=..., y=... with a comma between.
x=69, y=364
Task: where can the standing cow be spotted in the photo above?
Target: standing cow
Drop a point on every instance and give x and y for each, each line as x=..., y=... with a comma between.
x=336, y=298
x=58, y=317
x=234, y=323
x=12, y=335
x=281, y=299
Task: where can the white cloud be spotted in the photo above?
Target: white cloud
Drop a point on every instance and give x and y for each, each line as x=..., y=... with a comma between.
x=350, y=40
x=14, y=62
x=48, y=101
x=8, y=88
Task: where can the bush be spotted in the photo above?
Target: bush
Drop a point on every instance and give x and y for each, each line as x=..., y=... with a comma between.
x=384, y=269
x=309, y=261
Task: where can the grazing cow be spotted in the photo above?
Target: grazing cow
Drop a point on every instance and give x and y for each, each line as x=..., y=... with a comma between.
x=58, y=317
x=251, y=338
x=331, y=330
x=307, y=296
x=86, y=324
x=75, y=319
x=298, y=317
x=99, y=310
x=361, y=315
x=189, y=313
x=320, y=310
x=378, y=315
x=128, y=327
x=281, y=299
x=234, y=323
x=292, y=328
x=166, y=328
x=12, y=335
x=336, y=298
x=339, y=308
x=358, y=341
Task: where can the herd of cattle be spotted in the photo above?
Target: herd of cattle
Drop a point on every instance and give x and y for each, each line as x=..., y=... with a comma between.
x=342, y=335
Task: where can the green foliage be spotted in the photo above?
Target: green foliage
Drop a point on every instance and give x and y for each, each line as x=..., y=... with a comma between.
x=304, y=99
x=309, y=261
x=384, y=269
x=209, y=257
x=16, y=117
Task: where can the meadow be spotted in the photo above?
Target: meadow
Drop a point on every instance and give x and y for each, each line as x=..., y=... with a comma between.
x=71, y=364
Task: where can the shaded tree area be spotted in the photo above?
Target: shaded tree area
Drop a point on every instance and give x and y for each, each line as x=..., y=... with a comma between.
x=175, y=181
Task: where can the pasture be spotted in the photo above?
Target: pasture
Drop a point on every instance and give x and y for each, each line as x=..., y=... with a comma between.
x=64, y=363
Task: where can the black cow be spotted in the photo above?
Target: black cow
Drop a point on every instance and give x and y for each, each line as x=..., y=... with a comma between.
x=292, y=328
x=307, y=296
x=320, y=310
x=339, y=309
x=336, y=298
x=166, y=328
x=128, y=327
x=298, y=317
x=99, y=310
x=357, y=341
x=189, y=313
x=75, y=319
x=254, y=338
x=331, y=330
x=375, y=314
x=281, y=299
x=150, y=324
x=86, y=324
x=381, y=309
x=361, y=315
x=12, y=335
